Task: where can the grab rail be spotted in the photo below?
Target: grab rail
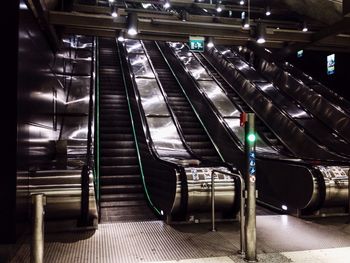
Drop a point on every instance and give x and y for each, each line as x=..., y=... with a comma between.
x=242, y=204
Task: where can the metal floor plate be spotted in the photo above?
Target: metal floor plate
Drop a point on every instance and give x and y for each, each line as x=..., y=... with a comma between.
x=154, y=241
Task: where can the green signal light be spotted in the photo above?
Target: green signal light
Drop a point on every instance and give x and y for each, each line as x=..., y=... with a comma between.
x=251, y=137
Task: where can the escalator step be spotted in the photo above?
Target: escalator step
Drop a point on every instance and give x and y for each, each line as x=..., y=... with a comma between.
x=120, y=179
x=120, y=189
x=121, y=169
x=118, y=152
x=120, y=160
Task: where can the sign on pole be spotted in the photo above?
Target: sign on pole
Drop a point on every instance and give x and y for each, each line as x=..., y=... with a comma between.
x=196, y=43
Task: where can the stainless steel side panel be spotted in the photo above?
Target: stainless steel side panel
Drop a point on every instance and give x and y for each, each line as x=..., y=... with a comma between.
x=199, y=190
x=336, y=184
x=151, y=98
x=165, y=138
x=62, y=190
x=164, y=133
x=140, y=66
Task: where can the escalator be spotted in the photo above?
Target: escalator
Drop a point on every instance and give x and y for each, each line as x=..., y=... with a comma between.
x=176, y=180
x=260, y=126
x=320, y=118
x=274, y=70
x=121, y=191
x=306, y=183
x=193, y=131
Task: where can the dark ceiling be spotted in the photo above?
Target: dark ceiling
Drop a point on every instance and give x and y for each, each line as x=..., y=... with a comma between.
x=328, y=23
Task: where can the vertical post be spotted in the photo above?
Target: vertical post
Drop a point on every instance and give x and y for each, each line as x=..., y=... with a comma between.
x=250, y=219
x=212, y=203
x=241, y=215
x=349, y=192
x=37, y=245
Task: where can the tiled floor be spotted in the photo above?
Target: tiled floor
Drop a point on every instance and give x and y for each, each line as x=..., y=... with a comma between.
x=280, y=238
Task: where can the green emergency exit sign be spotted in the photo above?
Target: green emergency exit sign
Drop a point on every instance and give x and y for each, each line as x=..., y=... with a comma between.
x=196, y=44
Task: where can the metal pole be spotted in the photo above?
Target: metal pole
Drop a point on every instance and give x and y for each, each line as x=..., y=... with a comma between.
x=242, y=205
x=349, y=192
x=37, y=245
x=250, y=220
x=212, y=203
x=241, y=214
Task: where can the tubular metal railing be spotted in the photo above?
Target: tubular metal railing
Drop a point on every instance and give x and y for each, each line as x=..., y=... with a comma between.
x=88, y=166
x=242, y=203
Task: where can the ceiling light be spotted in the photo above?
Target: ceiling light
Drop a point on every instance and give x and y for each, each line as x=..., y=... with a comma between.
x=245, y=23
x=218, y=8
x=114, y=11
x=267, y=11
x=132, y=24
x=260, y=33
x=121, y=37
x=166, y=4
x=111, y=1
x=184, y=15
x=146, y=5
x=305, y=29
x=241, y=2
x=210, y=42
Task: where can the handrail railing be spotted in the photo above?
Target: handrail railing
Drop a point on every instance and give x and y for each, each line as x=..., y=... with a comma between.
x=242, y=203
x=88, y=165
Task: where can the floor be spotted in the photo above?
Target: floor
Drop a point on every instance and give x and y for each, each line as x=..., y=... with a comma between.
x=280, y=238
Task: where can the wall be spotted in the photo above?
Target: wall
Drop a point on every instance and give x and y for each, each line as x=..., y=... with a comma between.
x=8, y=127
x=314, y=63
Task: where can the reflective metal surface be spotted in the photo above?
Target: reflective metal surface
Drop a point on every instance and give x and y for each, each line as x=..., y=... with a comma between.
x=164, y=133
x=133, y=46
x=166, y=139
x=336, y=185
x=53, y=100
x=62, y=190
x=199, y=189
x=140, y=65
x=219, y=98
x=151, y=97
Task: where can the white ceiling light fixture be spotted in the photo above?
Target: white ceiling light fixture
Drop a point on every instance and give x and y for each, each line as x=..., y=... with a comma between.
x=210, y=42
x=166, y=4
x=260, y=33
x=245, y=23
x=132, y=22
x=218, y=8
x=268, y=11
x=114, y=11
x=242, y=2
x=121, y=37
x=305, y=28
